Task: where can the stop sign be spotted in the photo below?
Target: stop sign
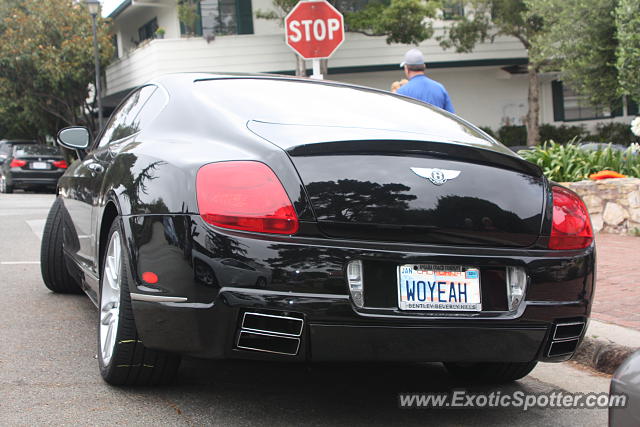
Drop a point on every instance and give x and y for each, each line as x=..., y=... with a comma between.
x=314, y=29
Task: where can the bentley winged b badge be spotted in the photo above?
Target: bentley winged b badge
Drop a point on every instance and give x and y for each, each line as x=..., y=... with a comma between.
x=437, y=176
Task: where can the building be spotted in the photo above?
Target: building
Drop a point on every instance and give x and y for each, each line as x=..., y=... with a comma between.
x=488, y=86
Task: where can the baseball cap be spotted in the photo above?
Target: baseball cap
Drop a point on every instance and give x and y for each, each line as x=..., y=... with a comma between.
x=413, y=57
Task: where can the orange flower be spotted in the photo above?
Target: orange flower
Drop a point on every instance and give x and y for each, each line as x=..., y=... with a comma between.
x=606, y=174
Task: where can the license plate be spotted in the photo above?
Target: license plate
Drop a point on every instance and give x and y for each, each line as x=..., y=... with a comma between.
x=39, y=165
x=438, y=287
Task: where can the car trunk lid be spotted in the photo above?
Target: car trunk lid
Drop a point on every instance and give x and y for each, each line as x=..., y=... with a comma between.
x=400, y=189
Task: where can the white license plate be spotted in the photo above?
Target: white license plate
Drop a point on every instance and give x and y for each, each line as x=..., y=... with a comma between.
x=39, y=165
x=438, y=287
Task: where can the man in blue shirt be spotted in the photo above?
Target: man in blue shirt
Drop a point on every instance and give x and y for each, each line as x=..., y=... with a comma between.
x=420, y=86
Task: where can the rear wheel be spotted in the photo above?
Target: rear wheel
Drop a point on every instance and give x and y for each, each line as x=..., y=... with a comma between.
x=52, y=260
x=490, y=372
x=122, y=356
x=4, y=187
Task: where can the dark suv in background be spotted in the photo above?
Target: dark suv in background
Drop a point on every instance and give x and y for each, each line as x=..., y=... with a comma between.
x=28, y=165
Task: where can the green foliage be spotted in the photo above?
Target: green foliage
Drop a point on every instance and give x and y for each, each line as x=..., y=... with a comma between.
x=627, y=18
x=402, y=21
x=570, y=163
x=616, y=133
x=47, y=65
x=512, y=135
x=188, y=15
x=579, y=40
x=488, y=131
x=564, y=134
x=492, y=18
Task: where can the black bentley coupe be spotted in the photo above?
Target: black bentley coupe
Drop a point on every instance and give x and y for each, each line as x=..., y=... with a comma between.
x=275, y=218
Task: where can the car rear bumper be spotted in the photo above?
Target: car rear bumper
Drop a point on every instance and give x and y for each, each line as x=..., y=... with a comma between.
x=199, y=303
x=28, y=179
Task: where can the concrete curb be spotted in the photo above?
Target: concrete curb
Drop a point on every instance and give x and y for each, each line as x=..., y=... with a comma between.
x=606, y=346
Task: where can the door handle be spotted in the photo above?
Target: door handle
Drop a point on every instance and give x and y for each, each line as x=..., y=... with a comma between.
x=95, y=167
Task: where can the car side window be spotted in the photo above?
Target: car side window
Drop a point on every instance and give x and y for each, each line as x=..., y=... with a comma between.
x=124, y=121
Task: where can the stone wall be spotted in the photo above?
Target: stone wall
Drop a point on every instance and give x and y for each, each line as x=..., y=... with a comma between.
x=614, y=204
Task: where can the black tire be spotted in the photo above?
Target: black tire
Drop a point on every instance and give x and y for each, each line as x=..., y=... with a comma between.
x=131, y=363
x=490, y=372
x=4, y=187
x=53, y=266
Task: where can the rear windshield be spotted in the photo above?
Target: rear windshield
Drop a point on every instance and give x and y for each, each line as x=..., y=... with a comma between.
x=303, y=103
x=21, y=150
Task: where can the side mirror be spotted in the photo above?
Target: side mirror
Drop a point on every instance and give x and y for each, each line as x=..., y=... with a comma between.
x=74, y=138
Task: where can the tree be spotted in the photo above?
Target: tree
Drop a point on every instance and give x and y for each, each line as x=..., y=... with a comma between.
x=280, y=11
x=402, y=21
x=188, y=15
x=47, y=65
x=579, y=40
x=492, y=18
x=627, y=18
x=599, y=60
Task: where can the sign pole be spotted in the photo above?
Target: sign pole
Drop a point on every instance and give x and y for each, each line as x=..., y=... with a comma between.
x=316, y=69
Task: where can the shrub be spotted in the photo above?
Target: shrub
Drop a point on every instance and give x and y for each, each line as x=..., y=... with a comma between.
x=488, y=130
x=512, y=135
x=616, y=133
x=569, y=162
x=563, y=133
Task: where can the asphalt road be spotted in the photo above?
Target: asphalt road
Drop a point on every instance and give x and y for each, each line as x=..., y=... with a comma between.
x=49, y=373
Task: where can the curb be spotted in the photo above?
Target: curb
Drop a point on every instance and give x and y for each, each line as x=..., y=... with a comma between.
x=602, y=355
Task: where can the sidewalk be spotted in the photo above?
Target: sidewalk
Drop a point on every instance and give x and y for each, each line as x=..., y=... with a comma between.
x=617, y=298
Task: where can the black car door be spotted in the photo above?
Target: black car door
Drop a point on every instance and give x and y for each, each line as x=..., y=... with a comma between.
x=82, y=184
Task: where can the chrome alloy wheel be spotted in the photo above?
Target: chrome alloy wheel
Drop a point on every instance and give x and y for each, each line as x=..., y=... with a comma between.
x=3, y=184
x=110, y=298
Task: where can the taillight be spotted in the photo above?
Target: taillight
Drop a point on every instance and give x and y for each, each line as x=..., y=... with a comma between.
x=61, y=164
x=244, y=195
x=17, y=163
x=571, y=227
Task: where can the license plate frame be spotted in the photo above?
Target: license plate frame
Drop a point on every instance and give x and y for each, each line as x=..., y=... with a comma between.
x=439, y=274
x=39, y=165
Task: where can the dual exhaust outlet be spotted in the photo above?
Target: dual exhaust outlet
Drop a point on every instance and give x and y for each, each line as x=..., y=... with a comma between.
x=565, y=338
x=270, y=333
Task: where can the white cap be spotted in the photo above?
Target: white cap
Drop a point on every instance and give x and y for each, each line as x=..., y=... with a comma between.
x=413, y=57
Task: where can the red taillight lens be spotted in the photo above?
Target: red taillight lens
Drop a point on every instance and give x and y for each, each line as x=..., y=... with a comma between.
x=571, y=224
x=17, y=163
x=244, y=195
x=61, y=164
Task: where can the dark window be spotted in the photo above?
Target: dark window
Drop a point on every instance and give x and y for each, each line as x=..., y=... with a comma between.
x=221, y=17
x=452, y=9
x=21, y=150
x=114, y=42
x=148, y=30
x=124, y=120
x=632, y=107
x=569, y=106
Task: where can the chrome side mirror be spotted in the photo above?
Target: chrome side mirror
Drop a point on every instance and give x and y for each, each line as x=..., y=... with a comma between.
x=74, y=138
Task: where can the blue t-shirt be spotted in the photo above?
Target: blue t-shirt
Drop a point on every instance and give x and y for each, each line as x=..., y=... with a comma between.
x=427, y=90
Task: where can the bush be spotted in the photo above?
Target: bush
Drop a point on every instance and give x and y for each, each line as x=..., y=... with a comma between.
x=562, y=133
x=616, y=133
x=512, y=135
x=488, y=130
x=569, y=162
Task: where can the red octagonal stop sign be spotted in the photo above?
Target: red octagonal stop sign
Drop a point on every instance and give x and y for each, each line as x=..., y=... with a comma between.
x=314, y=29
